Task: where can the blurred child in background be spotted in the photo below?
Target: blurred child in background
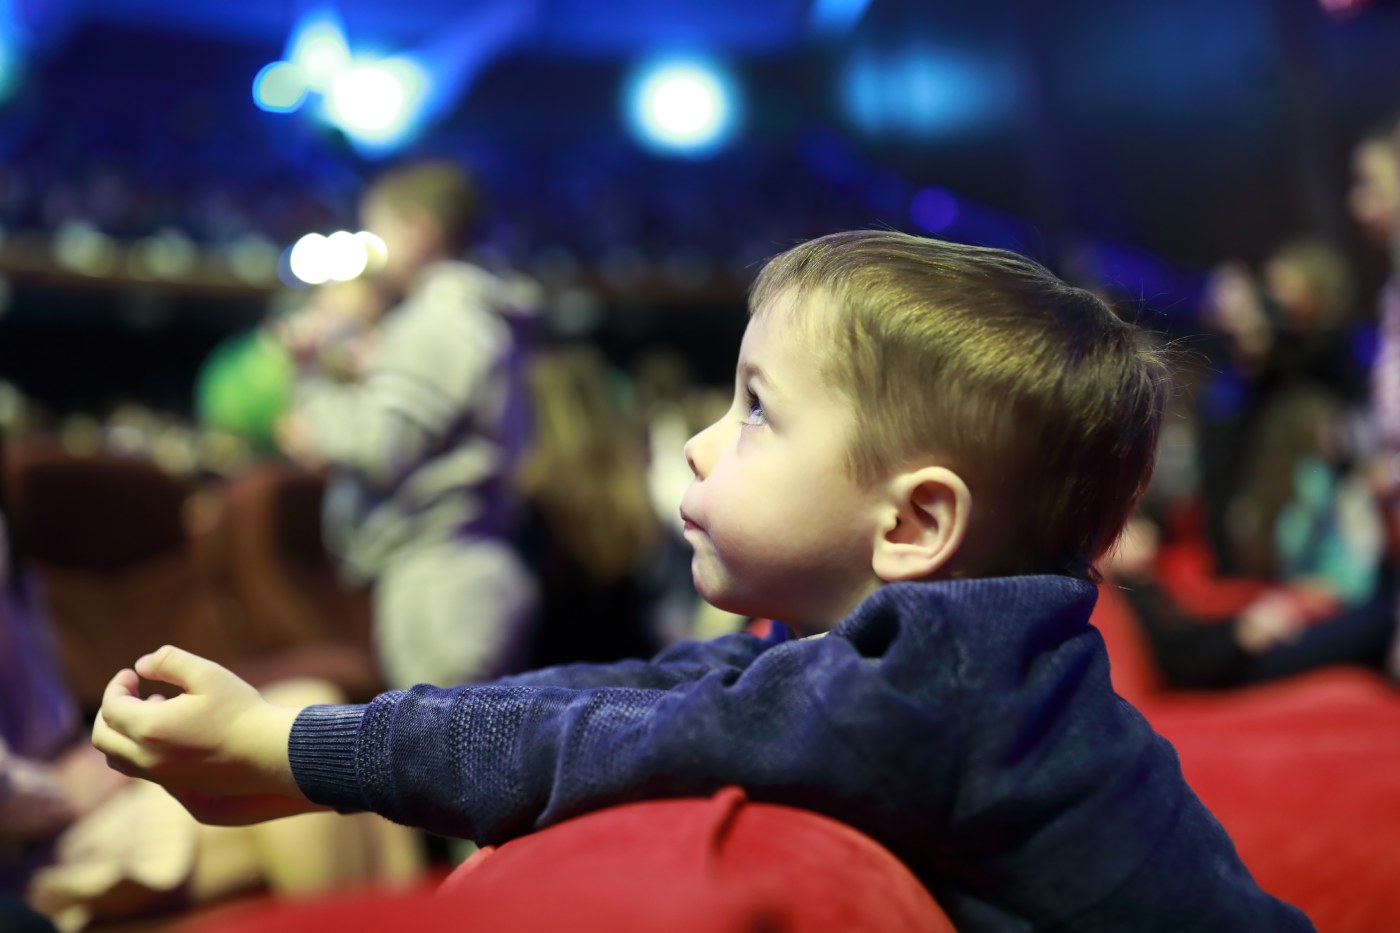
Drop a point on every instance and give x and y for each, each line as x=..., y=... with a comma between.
x=592, y=536
x=421, y=445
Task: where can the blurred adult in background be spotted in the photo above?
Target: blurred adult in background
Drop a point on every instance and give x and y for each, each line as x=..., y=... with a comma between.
x=246, y=383
x=592, y=536
x=1284, y=329
x=1374, y=200
x=1306, y=528
x=421, y=445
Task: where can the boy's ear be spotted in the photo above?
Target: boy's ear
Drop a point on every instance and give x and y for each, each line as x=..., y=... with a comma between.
x=923, y=526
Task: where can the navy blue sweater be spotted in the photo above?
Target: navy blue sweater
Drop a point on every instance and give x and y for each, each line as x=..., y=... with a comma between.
x=969, y=726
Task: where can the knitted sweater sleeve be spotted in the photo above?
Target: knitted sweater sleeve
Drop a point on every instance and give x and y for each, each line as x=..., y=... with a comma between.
x=682, y=662
x=492, y=762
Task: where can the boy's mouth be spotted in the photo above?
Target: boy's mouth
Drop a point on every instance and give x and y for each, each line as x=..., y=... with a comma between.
x=688, y=523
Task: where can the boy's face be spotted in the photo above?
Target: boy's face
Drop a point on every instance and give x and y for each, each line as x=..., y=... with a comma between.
x=779, y=528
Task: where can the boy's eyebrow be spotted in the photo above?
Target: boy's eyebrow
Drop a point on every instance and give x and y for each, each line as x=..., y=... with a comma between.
x=749, y=372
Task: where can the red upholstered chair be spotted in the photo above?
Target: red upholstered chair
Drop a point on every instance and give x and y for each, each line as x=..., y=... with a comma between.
x=105, y=535
x=685, y=866
x=1303, y=772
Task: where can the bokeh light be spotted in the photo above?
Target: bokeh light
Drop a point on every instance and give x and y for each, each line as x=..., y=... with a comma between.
x=319, y=49
x=280, y=87
x=921, y=91
x=682, y=107
x=835, y=17
x=311, y=259
x=9, y=69
x=376, y=103
x=348, y=256
x=316, y=259
x=81, y=247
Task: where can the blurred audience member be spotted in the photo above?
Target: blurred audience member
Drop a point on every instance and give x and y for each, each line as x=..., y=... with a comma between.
x=246, y=383
x=1285, y=329
x=332, y=335
x=1375, y=204
x=592, y=536
x=1304, y=514
x=1374, y=198
x=420, y=446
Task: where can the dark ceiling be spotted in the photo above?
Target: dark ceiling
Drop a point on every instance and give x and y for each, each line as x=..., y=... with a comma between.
x=1190, y=129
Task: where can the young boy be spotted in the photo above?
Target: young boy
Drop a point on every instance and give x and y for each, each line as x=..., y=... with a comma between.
x=928, y=445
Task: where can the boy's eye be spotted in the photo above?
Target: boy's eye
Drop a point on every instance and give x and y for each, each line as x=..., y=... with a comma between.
x=755, y=413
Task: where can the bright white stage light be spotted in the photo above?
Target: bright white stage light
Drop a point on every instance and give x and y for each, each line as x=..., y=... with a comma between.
x=348, y=256
x=682, y=107
x=311, y=260
x=377, y=102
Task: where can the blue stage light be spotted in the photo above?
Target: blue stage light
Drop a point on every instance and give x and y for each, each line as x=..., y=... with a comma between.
x=13, y=39
x=280, y=87
x=682, y=107
x=319, y=48
x=9, y=73
x=835, y=17
x=922, y=92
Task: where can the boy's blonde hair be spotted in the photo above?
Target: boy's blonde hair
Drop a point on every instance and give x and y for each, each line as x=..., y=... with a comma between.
x=1033, y=391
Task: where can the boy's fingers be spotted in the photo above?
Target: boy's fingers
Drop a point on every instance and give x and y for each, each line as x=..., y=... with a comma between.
x=121, y=701
x=176, y=666
x=123, y=683
x=122, y=753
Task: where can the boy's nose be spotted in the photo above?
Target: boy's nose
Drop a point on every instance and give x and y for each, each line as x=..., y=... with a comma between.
x=695, y=456
x=690, y=457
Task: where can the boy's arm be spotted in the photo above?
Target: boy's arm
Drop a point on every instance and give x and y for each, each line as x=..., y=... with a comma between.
x=221, y=749
x=507, y=758
x=680, y=663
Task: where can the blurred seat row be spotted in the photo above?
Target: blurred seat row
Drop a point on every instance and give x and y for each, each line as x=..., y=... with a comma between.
x=130, y=557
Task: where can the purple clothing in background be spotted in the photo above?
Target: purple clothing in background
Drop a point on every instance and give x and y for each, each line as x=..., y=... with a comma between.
x=37, y=715
x=1385, y=376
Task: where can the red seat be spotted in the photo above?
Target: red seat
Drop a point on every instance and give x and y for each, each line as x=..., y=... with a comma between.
x=106, y=538
x=1303, y=773
x=684, y=866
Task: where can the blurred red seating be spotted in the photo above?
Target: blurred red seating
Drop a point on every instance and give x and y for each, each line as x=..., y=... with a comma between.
x=720, y=865
x=1304, y=773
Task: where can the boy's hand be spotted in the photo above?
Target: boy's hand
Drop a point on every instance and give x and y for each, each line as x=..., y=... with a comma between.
x=219, y=738
x=228, y=810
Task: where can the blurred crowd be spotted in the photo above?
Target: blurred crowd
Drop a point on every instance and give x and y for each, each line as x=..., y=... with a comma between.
x=1266, y=545
x=598, y=204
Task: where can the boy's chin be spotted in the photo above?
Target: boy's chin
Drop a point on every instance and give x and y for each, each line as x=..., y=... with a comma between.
x=800, y=626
